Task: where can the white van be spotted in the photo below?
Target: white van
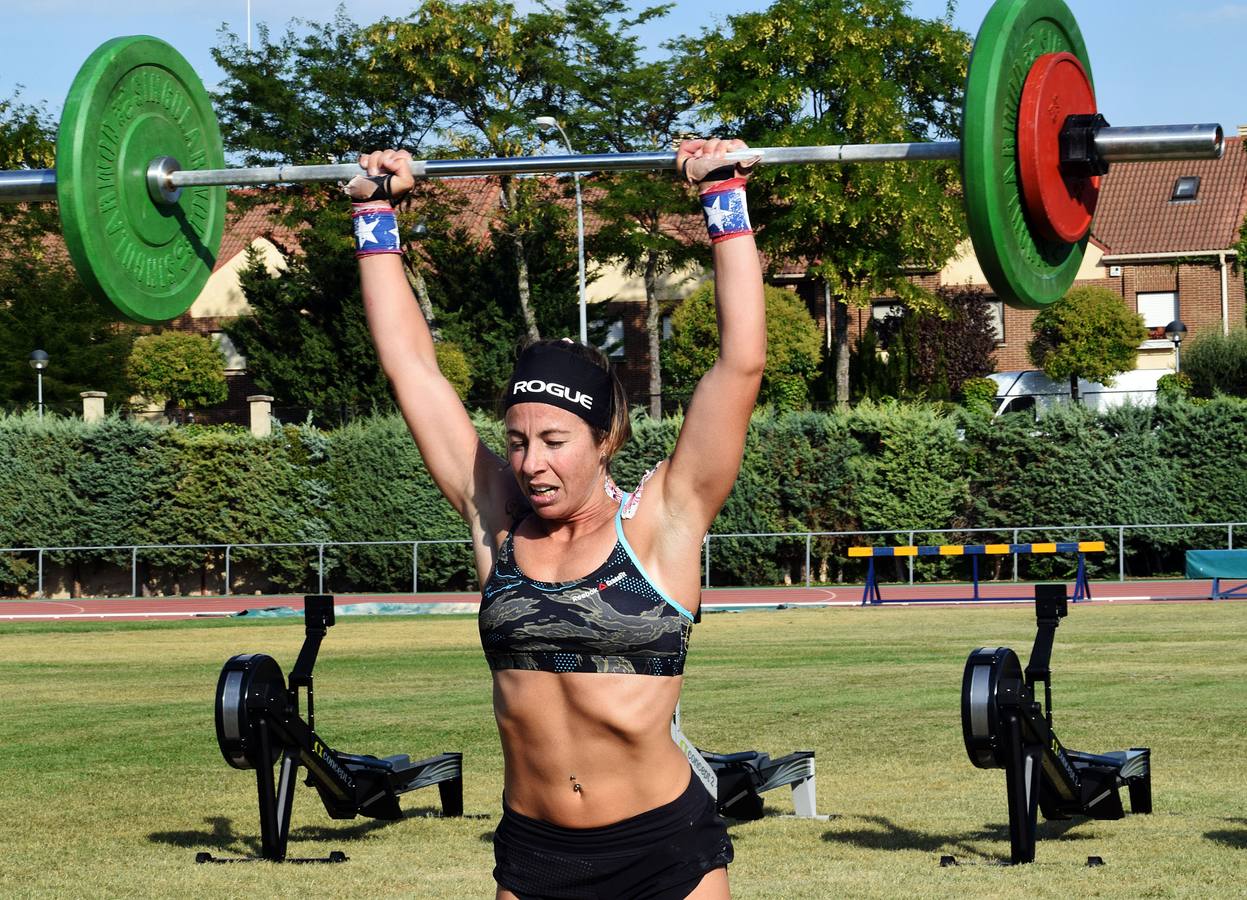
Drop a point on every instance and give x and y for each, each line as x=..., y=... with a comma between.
x=1034, y=391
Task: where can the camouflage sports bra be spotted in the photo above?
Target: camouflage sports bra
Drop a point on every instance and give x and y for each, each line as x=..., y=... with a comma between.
x=613, y=620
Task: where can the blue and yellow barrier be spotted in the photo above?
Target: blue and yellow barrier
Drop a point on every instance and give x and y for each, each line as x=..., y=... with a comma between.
x=1082, y=587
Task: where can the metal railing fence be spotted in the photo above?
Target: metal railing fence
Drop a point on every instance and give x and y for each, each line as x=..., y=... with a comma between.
x=905, y=536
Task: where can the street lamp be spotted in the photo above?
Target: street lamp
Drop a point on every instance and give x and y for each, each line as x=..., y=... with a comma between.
x=1175, y=331
x=39, y=362
x=551, y=122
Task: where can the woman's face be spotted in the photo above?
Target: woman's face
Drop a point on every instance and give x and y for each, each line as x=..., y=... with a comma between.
x=555, y=458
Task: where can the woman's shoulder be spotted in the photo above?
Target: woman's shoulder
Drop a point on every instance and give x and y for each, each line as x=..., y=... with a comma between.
x=630, y=502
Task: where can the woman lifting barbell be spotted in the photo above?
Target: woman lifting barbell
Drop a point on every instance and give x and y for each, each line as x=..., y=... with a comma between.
x=598, y=800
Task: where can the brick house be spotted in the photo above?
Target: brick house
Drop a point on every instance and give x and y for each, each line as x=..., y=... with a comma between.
x=1163, y=239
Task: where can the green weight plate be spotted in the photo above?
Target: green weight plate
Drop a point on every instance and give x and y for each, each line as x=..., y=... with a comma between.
x=133, y=100
x=1023, y=267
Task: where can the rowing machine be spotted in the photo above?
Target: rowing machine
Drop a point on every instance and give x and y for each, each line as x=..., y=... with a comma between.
x=1006, y=727
x=258, y=721
x=737, y=780
x=743, y=778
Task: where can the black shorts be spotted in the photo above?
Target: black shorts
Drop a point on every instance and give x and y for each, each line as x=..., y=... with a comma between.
x=662, y=854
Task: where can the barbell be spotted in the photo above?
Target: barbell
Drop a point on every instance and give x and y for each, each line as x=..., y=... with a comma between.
x=140, y=177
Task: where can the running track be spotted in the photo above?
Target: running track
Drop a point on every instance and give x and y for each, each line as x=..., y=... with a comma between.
x=156, y=608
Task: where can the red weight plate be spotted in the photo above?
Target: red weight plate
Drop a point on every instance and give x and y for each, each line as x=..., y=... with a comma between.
x=1060, y=206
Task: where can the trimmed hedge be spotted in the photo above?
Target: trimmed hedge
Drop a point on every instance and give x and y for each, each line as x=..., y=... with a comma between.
x=877, y=467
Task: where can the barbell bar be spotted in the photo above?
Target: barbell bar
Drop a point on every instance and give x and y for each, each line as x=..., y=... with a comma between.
x=165, y=177
x=140, y=170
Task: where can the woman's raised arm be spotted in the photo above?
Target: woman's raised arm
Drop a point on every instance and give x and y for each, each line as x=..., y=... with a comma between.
x=473, y=478
x=708, y=452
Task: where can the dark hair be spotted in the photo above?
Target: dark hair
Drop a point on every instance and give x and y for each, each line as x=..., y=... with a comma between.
x=614, y=437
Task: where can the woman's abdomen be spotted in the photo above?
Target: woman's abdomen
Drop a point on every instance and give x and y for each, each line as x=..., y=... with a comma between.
x=609, y=734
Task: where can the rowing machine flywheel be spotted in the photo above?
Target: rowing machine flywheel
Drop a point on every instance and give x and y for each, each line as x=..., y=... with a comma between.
x=992, y=680
x=249, y=681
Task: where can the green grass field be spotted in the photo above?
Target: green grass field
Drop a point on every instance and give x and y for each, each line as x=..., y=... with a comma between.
x=112, y=777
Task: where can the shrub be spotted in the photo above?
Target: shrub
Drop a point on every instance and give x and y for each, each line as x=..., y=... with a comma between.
x=885, y=467
x=453, y=363
x=930, y=353
x=978, y=395
x=1216, y=363
x=1175, y=384
x=186, y=370
x=1207, y=443
x=793, y=347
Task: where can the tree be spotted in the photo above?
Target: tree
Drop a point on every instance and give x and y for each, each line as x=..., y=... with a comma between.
x=182, y=370
x=1088, y=334
x=43, y=305
x=337, y=88
x=320, y=94
x=471, y=282
x=831, y=72
x=931, y=352
x=624, y=105
x=306, y=338
x=793, y=346
x=27, y=141
x=495, y=71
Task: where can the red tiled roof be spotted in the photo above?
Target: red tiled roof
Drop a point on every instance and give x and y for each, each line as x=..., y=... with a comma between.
x=1135, y=213
x=256, y=222
x=476, y=200
x=240, y=230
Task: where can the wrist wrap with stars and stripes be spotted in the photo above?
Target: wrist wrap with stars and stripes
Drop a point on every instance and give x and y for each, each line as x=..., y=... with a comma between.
x=727, y=213
x=376, y=230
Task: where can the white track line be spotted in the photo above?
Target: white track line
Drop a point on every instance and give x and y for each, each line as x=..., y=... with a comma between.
x=736, y=603
x=114, y=615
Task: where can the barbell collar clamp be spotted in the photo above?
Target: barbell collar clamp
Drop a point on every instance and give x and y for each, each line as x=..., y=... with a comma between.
x=1079, y=158
x=159, y=185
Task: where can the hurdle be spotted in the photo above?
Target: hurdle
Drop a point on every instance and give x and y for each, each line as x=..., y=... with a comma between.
x=871, y=595
x=1219, y=565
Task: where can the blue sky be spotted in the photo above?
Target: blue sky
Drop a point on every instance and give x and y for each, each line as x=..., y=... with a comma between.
x=1155, y=61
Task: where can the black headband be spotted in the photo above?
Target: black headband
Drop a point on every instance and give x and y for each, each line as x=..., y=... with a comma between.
x=548, y=373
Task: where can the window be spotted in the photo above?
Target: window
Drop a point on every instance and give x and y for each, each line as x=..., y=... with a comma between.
x=1185, y=189
x=996, y=311
x=234, y=361
x=613, y=344
x=882, y=309
x=1158, y=310
x=666, y=327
